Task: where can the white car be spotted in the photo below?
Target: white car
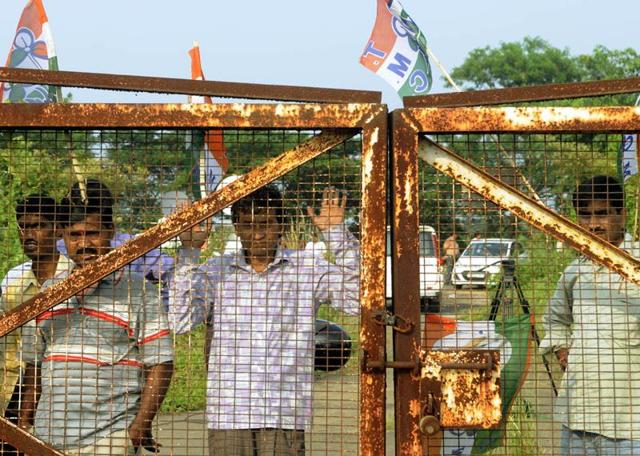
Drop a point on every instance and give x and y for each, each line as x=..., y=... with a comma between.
x=431, y=270
x=482, y=259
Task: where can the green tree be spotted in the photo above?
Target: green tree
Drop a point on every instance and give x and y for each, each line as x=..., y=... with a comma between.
x=534, y=61
x=515, y=64
x=552, y=164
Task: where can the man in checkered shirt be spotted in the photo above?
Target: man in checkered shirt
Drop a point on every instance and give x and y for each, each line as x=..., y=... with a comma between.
x=260, y=305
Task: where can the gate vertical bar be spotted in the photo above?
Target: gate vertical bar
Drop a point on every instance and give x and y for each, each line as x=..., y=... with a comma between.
x=406, y=282
x=372, y=291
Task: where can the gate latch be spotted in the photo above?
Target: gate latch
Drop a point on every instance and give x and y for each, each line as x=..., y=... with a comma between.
x=381, y=363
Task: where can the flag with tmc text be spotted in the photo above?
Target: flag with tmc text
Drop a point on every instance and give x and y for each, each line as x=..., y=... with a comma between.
x=209, y=153
x=32, y=48
x=629, y=155
x=512, y=336
x=397, y=51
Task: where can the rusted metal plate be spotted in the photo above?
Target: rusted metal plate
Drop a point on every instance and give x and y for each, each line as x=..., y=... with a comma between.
x=525, y=94
x=237, y=115
x=372, y=289
x=188, y=86
x=533, y=212
x=26, y=442
x=170, y=228
x=406, y=284
x=540, y=120
x=469, y=387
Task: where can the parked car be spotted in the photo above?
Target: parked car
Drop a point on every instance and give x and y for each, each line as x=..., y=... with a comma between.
x=431, y=270
x=482, y=259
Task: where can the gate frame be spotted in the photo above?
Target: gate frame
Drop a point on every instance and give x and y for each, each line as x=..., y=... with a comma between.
x=368, y=119
x=407, y=125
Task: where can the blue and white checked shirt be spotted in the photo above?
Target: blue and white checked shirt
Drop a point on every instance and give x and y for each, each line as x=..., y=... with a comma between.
x=262, y=350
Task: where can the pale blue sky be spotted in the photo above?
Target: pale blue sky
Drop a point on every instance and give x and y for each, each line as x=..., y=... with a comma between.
x=300, y=42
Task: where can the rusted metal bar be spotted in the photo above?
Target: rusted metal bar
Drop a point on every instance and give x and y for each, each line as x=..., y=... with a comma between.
x=525, y=94
x=24, y=441
x=174, y=225
x=381, y=363
x=237, y=115
x=406, y=283
x=525, y=208
x=372, y=289
x=529, y=120
x=187, y=86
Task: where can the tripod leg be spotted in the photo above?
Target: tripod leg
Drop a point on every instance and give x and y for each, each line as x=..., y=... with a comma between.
x=497, y=299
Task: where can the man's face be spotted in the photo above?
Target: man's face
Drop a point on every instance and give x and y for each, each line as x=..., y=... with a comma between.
x=602, y=219
x=259, y=231
x=38, y=236
x=87, y=240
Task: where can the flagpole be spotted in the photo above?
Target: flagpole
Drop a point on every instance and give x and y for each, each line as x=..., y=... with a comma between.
x=442, y=69
x=493, y=137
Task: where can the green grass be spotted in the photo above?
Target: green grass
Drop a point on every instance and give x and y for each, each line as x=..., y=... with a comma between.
x=187, y=390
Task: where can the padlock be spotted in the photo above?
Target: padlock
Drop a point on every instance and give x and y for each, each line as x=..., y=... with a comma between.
x=429, y=425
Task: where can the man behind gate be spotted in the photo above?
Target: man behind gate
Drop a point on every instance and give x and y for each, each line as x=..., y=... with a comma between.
x=593, y=328
x=260, y=304
x=105, y=354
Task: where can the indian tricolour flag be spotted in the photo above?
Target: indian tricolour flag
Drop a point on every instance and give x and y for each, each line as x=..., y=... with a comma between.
x=397, y=51
x=512, y=336
x=33, y=49
x=208, y=147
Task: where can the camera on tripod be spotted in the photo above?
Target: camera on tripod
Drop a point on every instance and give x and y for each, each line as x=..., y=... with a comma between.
x=507, y=288
x=508, y=268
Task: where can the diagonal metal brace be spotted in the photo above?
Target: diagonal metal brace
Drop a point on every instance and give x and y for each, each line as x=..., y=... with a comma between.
x=533, y=212
x=170, y=228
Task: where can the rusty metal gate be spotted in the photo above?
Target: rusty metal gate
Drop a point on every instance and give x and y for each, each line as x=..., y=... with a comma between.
x=499, y=179
x=301, y=148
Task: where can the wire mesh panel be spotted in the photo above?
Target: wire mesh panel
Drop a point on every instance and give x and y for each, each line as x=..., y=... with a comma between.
x=240, y=335
x=494, y=275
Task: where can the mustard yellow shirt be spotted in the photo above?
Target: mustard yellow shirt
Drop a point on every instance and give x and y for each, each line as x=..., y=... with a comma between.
x=19, y=285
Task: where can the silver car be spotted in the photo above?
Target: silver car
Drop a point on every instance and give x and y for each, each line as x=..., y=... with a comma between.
x=482, y=259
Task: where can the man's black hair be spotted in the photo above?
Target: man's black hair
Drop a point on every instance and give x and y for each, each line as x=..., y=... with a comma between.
x=41, y=205
x=599, y=188
x=98, y=201
x=265, y=197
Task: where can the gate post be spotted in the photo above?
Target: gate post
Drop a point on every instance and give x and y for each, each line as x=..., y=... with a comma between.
x=406, y=281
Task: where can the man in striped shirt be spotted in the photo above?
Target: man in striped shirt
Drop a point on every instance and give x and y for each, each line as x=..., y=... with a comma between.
x=260, y=304
x=105, y=354
x=155, y=265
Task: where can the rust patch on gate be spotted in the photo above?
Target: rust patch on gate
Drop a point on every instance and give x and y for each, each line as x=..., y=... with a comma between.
x=469, y=386
x=524, y=120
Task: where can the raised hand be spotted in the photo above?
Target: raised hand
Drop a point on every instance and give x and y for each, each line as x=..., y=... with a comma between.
x=196, y=237
x=331, y=211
